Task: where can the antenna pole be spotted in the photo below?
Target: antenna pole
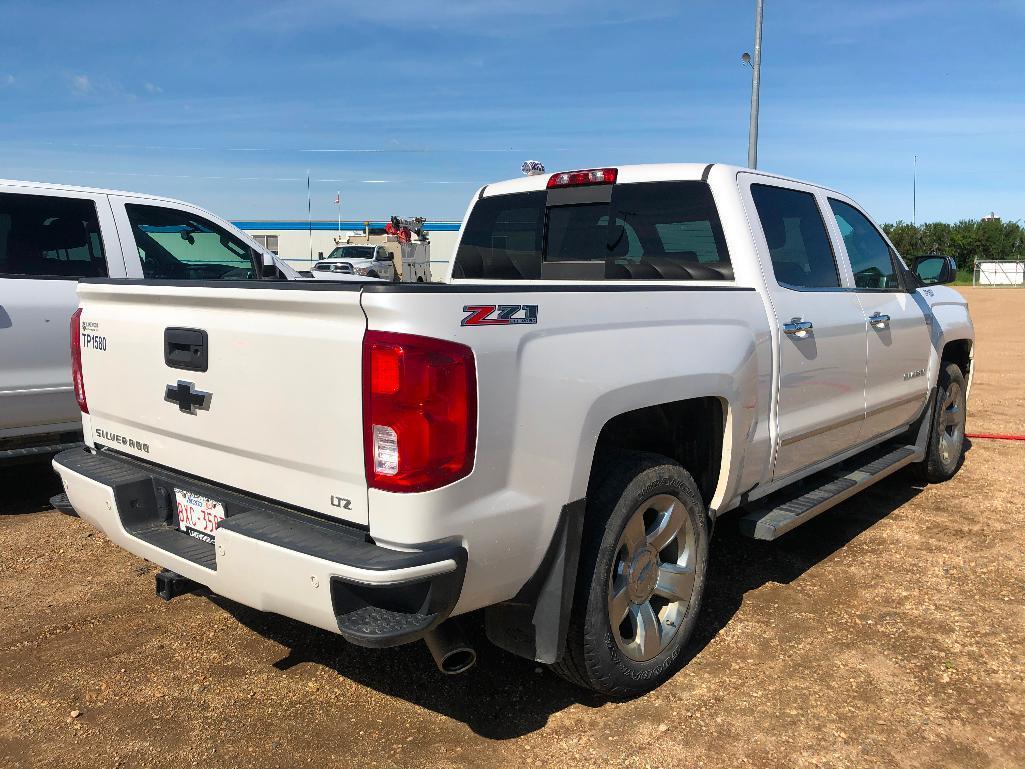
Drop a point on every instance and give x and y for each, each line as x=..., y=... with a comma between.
x=756, y=88
x=309, y=213
x=914, y=195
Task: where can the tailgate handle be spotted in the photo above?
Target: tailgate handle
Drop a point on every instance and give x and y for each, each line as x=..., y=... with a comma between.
x=186, y=348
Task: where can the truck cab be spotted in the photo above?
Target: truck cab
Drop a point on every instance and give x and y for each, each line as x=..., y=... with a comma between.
x=363, y=259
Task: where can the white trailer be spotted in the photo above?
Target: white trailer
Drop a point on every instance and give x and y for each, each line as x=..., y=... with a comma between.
x=999, y=273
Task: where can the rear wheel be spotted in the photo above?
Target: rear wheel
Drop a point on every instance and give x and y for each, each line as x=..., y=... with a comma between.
x=641, y=579
x=945, y=451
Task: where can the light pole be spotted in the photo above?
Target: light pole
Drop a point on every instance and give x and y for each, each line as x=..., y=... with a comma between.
x=914, y=195
x=756, y=87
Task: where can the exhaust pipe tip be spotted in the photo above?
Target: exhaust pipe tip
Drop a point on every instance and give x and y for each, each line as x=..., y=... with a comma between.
x=458, y=661
x=451, y=653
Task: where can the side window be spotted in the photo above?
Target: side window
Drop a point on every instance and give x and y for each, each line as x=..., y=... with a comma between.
x=179, y=245
x=799, y=247
x=50, y=236
x=871, y=259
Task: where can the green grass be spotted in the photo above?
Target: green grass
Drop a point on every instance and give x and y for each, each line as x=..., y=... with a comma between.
x=964, y=278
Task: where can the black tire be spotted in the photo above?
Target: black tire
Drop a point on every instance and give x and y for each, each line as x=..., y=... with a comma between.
x=372, y=274
x=594, y=657
x=945, y=450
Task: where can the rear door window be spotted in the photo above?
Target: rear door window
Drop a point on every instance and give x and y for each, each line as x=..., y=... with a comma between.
x=47, y=236
x=799, y=246
x=648, y=231
x=179, y=245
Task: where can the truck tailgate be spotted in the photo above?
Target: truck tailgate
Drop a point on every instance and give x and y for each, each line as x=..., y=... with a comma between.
x=277, y=412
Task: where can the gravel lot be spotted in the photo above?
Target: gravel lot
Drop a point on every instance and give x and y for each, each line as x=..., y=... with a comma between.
x=888, y=632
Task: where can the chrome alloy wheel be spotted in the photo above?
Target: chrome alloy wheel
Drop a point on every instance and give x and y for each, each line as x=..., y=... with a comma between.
x=652, y=578
x=952, y=425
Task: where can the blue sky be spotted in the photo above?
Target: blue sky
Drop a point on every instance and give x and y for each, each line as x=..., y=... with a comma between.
x=407, y=108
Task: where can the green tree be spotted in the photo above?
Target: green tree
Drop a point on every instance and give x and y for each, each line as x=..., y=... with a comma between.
x=968, y=240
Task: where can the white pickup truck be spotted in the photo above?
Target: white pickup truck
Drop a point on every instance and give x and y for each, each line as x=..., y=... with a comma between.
x=620, y=357
x=51, y=236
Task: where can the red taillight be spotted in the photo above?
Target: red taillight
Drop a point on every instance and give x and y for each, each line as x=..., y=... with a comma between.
x=582, y=178
x=419, y=411
x=76, y=360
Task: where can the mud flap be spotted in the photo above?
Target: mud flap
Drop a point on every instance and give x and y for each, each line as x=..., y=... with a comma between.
x=534, y=622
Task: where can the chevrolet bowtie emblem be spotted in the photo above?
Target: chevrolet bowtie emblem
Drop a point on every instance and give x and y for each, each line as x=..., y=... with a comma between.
x=187, y=397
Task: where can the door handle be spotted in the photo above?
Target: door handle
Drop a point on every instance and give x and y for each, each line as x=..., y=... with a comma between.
x=186, y=349
x=879, y=321
x=798, y=327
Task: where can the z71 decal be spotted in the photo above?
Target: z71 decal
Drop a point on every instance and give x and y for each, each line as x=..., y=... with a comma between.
x=499, y=314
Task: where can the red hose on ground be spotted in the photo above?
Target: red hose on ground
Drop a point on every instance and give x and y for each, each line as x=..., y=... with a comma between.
x=996, y=436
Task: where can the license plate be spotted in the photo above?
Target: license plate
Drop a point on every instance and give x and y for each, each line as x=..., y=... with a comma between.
x=198, y=516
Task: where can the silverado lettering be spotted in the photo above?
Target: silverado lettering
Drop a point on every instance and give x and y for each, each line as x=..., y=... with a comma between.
x=108, y=437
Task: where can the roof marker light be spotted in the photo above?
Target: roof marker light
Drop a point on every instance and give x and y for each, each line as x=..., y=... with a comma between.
x=583, y=178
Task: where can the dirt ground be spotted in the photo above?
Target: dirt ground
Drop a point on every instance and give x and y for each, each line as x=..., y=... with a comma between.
x=889, y=632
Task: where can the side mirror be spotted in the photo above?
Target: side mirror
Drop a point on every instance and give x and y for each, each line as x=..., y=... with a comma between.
x=935, y=269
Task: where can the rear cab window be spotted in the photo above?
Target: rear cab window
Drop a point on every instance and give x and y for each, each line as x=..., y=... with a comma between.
x=636, y=231
x=50, y=236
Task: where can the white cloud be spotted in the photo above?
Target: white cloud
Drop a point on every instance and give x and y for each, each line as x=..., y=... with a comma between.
x=482, y=17
x=81, y=84
x=6, y=80
x=152, y=88
x=100, y=87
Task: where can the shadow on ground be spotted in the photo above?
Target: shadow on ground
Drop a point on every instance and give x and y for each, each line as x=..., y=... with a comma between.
x=26, y=487
x=506, y=697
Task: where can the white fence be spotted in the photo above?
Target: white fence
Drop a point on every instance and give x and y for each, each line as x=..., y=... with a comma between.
x=1002, y=273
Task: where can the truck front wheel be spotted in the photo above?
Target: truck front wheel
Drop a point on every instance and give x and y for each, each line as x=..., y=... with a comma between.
x=642, y=575
x=945, y=451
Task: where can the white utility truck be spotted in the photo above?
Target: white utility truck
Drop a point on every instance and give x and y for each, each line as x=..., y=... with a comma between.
x=401, y=253
x=620, y=357
x=53, y=235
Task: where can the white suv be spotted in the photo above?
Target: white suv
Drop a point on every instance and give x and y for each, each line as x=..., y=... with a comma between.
x=50, y=237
